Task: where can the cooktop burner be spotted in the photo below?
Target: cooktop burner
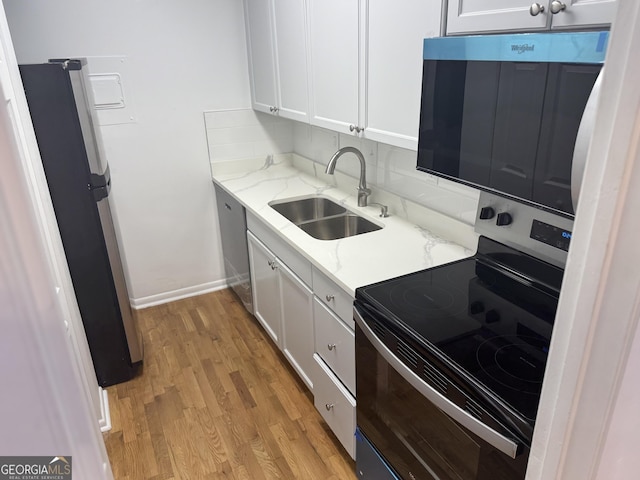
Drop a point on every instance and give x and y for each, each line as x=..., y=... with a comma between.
x=415, y=300
x=488, y=321
x=514, y=362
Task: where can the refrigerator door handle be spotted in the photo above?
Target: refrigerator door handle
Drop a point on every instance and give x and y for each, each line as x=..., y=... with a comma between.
x=583, y=139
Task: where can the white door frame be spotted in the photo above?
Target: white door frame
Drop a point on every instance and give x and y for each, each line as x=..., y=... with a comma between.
x=589, y=379
x=51, y=400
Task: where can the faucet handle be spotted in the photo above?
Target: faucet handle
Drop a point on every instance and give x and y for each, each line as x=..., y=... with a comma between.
x=363, y=193
x=384, y=210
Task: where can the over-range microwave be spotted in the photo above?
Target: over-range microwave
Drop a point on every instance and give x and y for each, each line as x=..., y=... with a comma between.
x=512, y=114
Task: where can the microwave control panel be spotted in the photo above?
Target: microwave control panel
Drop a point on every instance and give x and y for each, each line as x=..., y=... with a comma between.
x=538, y=232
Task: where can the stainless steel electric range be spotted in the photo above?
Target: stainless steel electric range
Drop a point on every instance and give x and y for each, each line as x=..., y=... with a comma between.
x=450, y=360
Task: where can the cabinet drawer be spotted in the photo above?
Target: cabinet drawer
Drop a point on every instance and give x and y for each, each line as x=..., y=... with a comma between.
x=335, y=404
x=334, y=297
x=335, y=343
x=285, y=252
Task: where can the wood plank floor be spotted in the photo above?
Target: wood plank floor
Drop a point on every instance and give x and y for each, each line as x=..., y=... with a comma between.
x=217, y=400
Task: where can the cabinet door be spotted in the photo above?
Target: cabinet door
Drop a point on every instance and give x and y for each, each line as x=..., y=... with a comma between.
x=297, y=323
x=260, y=50
x=584, y=13
x=334, y=43
x=468, y=16
x=395, y=33
x=266, y=288
x=291, y=59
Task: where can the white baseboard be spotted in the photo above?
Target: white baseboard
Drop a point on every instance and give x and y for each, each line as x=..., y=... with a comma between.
x=166, y=297
x=105, y=413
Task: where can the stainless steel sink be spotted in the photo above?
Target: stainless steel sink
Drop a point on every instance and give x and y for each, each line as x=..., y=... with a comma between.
x=306, y=209
x=322, y=218
x=338, y=227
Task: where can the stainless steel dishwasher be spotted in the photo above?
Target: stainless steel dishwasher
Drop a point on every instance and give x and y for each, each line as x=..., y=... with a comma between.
x=233, y=232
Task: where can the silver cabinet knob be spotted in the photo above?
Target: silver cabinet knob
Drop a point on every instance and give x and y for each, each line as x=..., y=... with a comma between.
x=355, y=128
x=273, y=109
x=557, y=7
x=328, y=406
x=331, y=346
x=272, y=264
x=536, y=9
x=329, y=297
x=352, y=128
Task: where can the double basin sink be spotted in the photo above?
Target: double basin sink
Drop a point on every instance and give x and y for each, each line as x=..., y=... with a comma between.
x=322, y=218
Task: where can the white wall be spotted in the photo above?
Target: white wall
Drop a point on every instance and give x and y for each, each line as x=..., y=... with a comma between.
x=183, y=58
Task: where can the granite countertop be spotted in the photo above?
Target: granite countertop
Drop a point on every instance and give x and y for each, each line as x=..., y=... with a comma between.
x=412, y=238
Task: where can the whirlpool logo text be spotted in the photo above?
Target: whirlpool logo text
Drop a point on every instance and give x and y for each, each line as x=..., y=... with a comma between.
x=523, y=47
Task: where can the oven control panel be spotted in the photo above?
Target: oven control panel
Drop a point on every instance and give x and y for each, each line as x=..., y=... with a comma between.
x=551, y=235
x=537, y=232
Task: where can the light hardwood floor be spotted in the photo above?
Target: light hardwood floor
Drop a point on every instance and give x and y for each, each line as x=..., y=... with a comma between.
x=216, y=400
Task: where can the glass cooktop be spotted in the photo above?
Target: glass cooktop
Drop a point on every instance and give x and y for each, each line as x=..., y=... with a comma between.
x=491, y=315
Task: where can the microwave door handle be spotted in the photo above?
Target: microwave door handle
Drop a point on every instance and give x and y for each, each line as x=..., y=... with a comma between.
x=497, y=440
x=581, y=148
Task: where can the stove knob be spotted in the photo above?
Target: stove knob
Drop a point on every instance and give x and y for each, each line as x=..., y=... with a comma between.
x=487, y=213
x=492, y=316
x=476, y=307
x=504, y=219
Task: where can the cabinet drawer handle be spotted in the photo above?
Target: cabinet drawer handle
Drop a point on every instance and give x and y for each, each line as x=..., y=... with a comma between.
x=331, y=346
x=273, y=109
x=329, y=297
x=535, y=9
x=328, y=406
x=352, y=128
x=557, y=7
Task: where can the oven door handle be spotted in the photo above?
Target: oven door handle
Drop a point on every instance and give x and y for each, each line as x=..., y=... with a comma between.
x=497, y=440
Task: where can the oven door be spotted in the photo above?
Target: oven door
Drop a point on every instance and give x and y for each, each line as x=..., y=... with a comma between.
x=419, y=432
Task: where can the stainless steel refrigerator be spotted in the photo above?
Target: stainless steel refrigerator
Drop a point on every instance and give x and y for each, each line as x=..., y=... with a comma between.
x=61, y=106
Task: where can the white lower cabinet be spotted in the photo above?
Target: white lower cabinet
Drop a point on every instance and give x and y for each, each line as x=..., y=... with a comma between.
x=283, y=305
x=333, y=297
x=297, y=323
x=312, y=327
x=336, y=405
x=266, y=288
x=335, y=373
x=335, y=343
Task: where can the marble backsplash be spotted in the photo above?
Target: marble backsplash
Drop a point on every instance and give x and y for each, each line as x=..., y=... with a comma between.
x=243, y=133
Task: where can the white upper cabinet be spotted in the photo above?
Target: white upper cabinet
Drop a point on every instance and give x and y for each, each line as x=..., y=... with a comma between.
x=472, y=16
x=334, y=51
x=261, y=54
x=395, y=31
x=587, y=13
x=366, y=66
x=276, y=39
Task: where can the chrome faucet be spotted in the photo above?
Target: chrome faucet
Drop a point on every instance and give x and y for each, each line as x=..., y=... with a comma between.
x=363, y=191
